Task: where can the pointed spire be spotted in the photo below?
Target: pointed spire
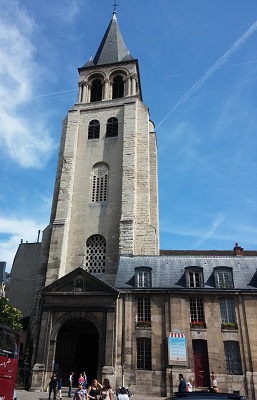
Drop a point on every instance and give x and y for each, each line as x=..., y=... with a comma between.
x=112, y=48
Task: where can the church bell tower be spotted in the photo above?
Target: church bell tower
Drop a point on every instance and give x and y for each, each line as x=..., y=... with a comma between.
x=106, y=196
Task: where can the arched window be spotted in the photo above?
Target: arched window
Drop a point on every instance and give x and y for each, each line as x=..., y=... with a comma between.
x=96, y=90
x=118, y=87
x=99, y=183
x=95, y=254
x=112, y=127
x=93, y=129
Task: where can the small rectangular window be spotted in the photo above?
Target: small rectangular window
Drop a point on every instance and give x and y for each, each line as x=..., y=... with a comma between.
x=224, y=279
x=144, y=354
x=143, y=279
x=194, y=279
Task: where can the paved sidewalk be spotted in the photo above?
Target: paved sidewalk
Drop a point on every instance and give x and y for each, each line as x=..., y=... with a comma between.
x=24, y=395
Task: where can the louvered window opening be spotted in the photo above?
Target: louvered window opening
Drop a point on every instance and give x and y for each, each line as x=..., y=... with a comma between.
x=143, y=309
x=99, y=189
x=118, y=87
x=96, y=91
x=112, y=127
x=196, y=310
x=144, y=354
x=93, y=129
x=95, y=254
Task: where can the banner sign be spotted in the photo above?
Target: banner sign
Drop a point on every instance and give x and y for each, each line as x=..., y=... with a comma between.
x=177, y=349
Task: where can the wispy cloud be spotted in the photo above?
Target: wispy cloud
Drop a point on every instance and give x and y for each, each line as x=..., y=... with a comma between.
x=24, y=138
x=236, y=46
x=211, y=231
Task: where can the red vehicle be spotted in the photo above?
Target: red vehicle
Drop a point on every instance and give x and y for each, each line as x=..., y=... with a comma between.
x=9, y=358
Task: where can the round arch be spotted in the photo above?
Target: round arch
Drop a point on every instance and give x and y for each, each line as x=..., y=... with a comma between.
x=78, y=339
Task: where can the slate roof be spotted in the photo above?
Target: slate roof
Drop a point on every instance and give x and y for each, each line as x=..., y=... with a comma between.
x=112, y=48
x=168, y=271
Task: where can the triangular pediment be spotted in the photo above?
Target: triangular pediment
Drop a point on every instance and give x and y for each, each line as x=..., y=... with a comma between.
x=79, y=281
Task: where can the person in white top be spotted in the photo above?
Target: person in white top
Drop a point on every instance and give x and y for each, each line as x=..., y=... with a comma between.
x=189, y=385
x=123, y=395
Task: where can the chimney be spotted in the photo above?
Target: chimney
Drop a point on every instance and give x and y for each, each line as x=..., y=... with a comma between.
x=239, y=251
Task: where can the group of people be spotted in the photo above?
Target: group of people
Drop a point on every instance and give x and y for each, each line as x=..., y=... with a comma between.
x=95, y=391
x=186, y=386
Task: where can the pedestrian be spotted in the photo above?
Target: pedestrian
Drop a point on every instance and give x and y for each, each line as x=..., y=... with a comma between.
x=182, y=387
x=59, y=387
x=189, y=385
x=94, y=390
x=81, y=380
x=80, y=393
x=85, y=379
x=214, y=384
x=53, y=386
x=71, y=380
x=106, y=392
x=123, y=395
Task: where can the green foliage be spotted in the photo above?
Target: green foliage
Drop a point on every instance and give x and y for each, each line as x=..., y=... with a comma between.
x=9, y=315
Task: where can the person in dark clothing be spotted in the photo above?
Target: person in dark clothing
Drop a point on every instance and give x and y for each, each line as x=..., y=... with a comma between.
x=182, y=387
x=53, y=386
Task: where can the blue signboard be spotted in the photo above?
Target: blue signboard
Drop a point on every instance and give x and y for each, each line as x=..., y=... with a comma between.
x=177, y=349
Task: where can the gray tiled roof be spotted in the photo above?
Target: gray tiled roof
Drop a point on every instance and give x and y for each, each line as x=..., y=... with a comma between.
x=112, y=48
x=168, y=271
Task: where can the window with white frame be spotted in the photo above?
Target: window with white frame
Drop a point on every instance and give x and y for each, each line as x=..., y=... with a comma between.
x=233, y=357
x=223, y=278
x=144, y=353
x=227, y=311
x=144, y=310
x=143, y=277
x=99, y=188
x=196, y=310
x=194, y=277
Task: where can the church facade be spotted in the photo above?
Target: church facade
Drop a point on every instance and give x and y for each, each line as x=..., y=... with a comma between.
x=106, y=299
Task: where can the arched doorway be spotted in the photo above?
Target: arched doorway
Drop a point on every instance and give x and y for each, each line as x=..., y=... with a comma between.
x=77, y=350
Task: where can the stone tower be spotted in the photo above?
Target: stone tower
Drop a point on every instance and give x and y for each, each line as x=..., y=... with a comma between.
x=106, y=196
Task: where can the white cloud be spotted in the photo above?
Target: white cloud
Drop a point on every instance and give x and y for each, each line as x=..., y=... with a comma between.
x=26, y=142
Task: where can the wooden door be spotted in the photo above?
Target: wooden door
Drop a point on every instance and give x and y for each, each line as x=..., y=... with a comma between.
x=201, y=363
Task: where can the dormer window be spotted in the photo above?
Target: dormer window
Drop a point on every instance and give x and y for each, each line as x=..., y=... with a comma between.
x=143, y=277
x=223, y=277
x=194, y=277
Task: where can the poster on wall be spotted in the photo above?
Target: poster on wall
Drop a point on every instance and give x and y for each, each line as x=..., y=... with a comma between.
x=177, y=349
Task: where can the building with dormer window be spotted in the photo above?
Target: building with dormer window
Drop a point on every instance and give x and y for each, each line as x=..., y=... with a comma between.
x=106, y=299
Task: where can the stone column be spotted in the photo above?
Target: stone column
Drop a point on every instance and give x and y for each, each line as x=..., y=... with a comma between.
x=80, y=92
x=106, y=87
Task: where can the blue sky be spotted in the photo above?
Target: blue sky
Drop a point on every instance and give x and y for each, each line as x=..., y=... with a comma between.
x=198, y=65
